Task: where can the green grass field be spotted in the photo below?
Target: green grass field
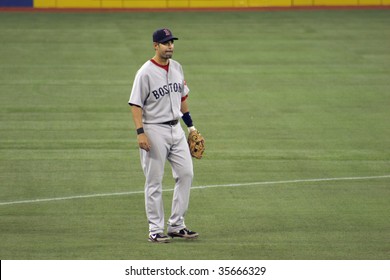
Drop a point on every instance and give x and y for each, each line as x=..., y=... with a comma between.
x=279, y=96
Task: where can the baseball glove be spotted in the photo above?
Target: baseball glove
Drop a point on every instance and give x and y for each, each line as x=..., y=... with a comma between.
x=196, y=144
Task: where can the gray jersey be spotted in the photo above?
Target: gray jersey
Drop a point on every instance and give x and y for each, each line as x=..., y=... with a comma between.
x=158, y=92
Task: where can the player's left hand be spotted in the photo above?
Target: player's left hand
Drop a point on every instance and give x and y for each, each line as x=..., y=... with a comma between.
x=196, y=143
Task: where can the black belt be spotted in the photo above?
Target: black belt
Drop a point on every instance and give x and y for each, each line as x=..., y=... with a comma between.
x=171, y=123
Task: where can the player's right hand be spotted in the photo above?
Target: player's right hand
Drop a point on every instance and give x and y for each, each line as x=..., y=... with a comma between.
x=143, y=142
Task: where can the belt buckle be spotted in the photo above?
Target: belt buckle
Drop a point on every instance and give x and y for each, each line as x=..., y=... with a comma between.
x=171, y=123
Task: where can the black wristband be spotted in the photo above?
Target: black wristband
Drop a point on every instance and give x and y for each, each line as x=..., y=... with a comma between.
x=187, y=119
x=140, y=130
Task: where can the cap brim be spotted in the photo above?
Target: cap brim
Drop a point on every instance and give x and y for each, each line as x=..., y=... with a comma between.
x=169, y=38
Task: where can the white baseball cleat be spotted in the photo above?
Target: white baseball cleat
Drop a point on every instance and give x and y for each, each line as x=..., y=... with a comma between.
x=159, y=238
x=184, y=233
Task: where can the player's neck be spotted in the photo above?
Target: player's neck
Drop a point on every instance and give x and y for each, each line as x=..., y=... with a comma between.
x=161, y=61
x=165, y=67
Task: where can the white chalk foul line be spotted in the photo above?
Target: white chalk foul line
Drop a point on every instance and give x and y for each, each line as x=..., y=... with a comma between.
x=68, y=197
x=196, y=187
x=292, y=181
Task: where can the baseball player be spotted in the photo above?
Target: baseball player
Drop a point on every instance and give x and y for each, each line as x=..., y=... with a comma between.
x=158, y=100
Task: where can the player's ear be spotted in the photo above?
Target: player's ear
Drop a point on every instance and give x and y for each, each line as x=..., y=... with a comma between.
x=155, y=45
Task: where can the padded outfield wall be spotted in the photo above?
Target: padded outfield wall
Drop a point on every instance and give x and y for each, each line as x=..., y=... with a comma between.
x=186, y=3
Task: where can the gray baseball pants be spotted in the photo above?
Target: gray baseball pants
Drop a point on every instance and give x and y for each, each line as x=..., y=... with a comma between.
x=168, y=143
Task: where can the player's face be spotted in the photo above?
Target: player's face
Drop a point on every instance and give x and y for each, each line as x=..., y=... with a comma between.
x=165, y=50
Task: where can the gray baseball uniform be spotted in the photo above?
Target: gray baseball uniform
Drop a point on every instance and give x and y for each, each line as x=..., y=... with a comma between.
x=159, y=93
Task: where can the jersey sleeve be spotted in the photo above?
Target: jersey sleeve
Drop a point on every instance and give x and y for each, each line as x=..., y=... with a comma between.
x=140, y=90
x=186, y=90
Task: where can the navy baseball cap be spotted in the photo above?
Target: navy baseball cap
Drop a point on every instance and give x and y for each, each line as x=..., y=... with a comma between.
x=163, y=35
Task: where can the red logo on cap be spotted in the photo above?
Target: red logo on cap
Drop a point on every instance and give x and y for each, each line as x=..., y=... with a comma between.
x=167, y=32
